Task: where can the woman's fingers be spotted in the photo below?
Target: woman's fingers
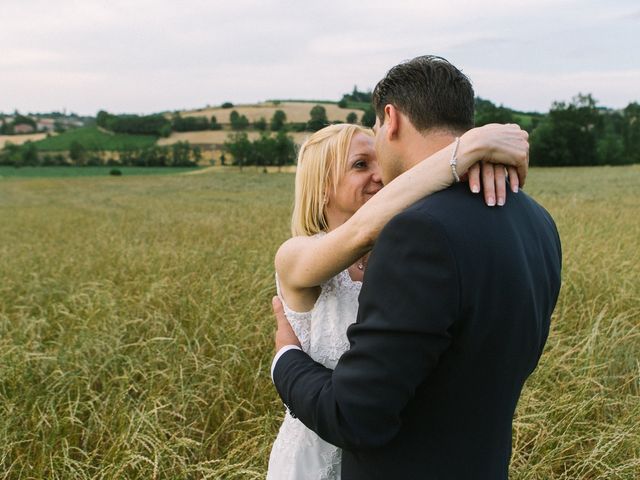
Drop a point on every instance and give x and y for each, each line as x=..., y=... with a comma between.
x=488, y=184
x=474, y=177
x=500, y=177
x=523, y=169
x=514, y=181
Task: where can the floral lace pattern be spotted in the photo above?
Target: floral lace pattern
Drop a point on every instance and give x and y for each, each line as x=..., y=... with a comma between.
x=298, y=453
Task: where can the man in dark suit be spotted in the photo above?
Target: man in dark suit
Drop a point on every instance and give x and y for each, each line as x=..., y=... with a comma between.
x=454, y=310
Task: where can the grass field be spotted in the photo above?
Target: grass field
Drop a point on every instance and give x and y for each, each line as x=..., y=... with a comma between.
x=94, y=139
x=136, y=333
x=55, y=172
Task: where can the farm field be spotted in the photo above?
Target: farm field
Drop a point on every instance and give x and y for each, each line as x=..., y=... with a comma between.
x=92, y=138
x=55, y=172
x=20, y=139
x=218, y=137
x=296, y=111
x=136, y=332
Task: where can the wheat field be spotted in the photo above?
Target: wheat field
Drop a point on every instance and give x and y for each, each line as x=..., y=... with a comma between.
x=20, y=139
x=218, y=137
x=295, y=111
x=136, y=333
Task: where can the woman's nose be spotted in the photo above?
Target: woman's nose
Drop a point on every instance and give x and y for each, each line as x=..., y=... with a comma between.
x=376, y=174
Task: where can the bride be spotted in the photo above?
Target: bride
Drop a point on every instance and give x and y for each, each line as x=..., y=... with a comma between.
x=340, y=208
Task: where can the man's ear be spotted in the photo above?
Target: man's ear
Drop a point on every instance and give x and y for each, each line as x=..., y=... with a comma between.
x=391, y=118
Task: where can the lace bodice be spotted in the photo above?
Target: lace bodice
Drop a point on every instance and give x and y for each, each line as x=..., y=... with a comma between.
x=298, y=453
x=322, y=330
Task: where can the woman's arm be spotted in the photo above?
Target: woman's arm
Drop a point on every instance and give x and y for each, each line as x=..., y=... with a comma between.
x=305, y=262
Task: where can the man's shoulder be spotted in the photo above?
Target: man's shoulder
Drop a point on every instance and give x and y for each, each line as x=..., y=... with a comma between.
x=457, y=208
x=460, y=199
x=440, y=205
x=428, y=215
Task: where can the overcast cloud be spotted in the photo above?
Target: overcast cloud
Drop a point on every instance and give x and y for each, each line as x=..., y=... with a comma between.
x=146, y=56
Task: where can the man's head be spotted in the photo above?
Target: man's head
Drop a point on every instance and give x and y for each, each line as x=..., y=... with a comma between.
x=414, y=101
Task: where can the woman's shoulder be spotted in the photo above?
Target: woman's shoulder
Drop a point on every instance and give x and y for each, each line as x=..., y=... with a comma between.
x=289, y=250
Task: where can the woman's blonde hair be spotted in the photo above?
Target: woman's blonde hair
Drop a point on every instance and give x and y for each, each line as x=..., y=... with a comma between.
x=322, y=161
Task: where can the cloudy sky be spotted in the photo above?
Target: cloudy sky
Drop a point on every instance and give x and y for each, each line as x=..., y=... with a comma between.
x=146, y=56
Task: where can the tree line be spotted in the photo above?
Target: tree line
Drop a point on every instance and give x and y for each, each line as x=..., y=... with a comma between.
x=162, y=126
x=267, y=150
x=574, y=133
x=180, y=154
x=578, y=132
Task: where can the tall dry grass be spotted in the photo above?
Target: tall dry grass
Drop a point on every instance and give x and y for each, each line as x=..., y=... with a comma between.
x=136, y=334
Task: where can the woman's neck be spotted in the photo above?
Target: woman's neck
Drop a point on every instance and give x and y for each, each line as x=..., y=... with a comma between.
x=335, y=219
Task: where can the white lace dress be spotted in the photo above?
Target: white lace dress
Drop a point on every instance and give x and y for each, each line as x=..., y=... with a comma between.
x=298, y=453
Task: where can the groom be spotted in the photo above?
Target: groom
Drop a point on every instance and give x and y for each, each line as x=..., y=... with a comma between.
x=454, y=310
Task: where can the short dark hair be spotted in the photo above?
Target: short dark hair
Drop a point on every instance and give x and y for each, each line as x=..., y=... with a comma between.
x=430, y=91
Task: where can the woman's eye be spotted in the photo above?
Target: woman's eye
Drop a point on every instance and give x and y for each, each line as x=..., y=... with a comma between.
x=360, y=164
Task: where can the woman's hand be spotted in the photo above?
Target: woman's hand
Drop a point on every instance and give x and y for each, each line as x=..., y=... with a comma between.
x=493, y=179
x=502, y=149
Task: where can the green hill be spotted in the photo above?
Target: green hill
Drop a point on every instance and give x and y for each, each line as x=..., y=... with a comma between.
x=93, y=138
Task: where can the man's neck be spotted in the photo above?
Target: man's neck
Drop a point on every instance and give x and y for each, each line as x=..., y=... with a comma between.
x=422, y=145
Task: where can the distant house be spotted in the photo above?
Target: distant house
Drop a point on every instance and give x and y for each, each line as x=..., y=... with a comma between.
x=46, y=124
x=22, y=128
x=75, y=123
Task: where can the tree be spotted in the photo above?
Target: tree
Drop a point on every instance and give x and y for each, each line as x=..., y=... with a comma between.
x=631, y=132
x=214, y=123
x=318, y=118
x=285, y=150
x=238, y=122
x=547, y=148
x=278, y=120
x=569, y=134
x=227, y=105
x=24, y=120
x=59, y=127
x=488, y=112
x=352, y=117
x=239, y=146
x=263, y=151
x=368, y=118
x=29, y=154
x=357, y=96
x=11, y=155
x=190, y=124
x=260, y=124
x=610, y=149
x=155, y=124
x=103, y=118
x=77, y=153
x=183, y=155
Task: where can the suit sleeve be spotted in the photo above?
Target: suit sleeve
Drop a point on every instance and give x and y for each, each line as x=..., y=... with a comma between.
x=409, y=301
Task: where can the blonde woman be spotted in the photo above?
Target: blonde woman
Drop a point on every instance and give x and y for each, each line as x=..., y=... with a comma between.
x=340, y=208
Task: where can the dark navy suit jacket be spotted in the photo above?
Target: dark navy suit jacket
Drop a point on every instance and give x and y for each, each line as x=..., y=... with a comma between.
x=454, y=314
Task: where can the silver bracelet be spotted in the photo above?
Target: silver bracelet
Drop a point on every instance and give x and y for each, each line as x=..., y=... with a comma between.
x=454, y=161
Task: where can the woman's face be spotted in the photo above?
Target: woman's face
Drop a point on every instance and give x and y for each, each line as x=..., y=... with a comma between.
x=361, y=180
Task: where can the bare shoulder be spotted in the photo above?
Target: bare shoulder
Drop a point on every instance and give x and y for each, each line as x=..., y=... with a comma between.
x=289, y=263
x=289, y=252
